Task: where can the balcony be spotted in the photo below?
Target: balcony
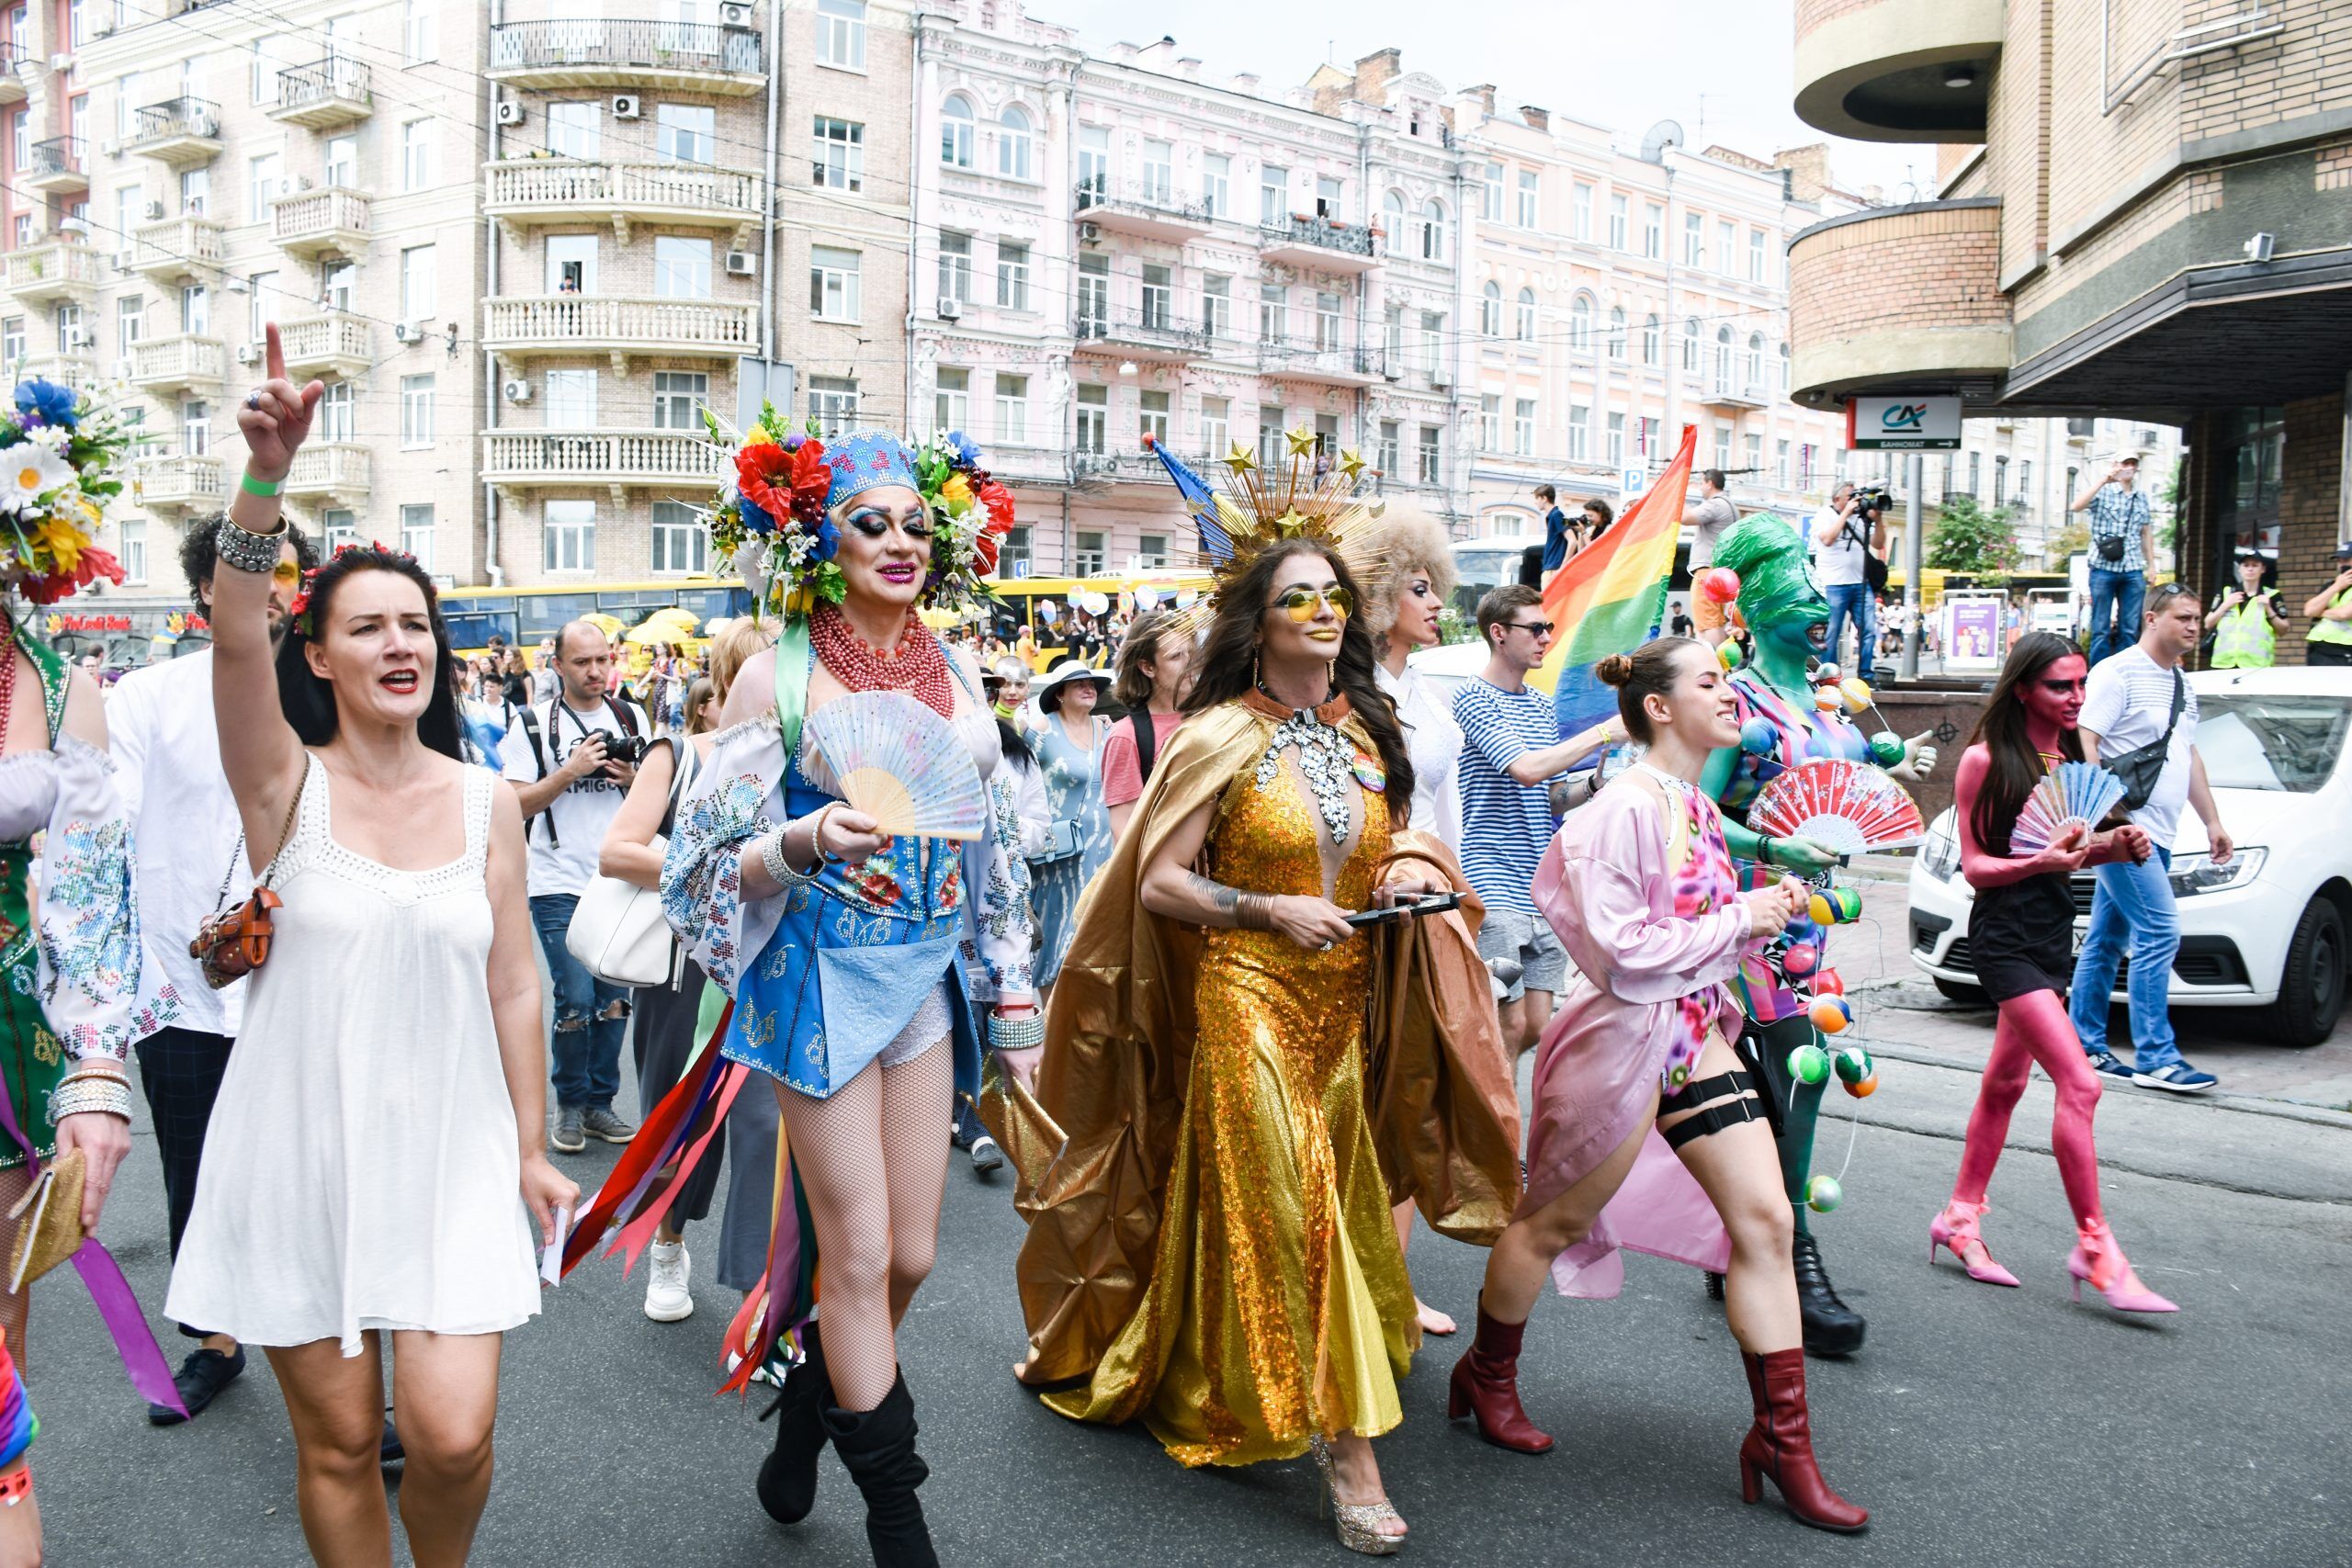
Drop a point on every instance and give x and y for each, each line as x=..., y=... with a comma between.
x=1149, y=208
x=329, y=473
x=1304, y=359
x=325, y=95
x=1318, y=244
x=1154, y=334
x=1898, y=70
x=333, y=345
x=12, y=86
x=1899, y=299
x=679, y=57
x=657, y=459
x=180, y=132
x=59, y=271
x=1139, y=467
x=182, y=364
x=1734, y=395
x=523, y=191
x=177, y=483
x=59, y=165
x=516, y=327
x=174, y=248
x=313, y=223
x=79, y=371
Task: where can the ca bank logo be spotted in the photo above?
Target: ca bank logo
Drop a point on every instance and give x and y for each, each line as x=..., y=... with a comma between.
x=1904, y=418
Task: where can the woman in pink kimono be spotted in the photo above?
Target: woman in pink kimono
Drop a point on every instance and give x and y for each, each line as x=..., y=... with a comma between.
x=1646, y=1132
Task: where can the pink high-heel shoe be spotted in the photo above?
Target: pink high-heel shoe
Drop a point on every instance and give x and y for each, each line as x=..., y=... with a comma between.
x=1955, y=1229
x=2096, y=1258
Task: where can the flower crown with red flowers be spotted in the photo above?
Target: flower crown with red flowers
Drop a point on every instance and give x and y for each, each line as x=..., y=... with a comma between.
x=299, y=611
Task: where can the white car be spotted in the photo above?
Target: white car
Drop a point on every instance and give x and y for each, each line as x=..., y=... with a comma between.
x=2268, y=929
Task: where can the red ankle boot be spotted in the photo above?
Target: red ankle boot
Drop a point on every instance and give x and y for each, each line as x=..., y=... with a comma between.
x=1486, y=1384
x=1781, y=1445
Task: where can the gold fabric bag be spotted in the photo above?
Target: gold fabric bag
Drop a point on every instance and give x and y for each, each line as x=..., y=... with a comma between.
x=49, y=1221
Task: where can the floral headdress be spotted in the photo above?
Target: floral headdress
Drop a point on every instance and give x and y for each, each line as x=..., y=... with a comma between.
x=299, y=611
x=60, y=460
x=770, y=521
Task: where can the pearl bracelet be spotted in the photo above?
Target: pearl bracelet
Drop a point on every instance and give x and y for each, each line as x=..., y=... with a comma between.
x=91, y=1092
x=1016, y=1033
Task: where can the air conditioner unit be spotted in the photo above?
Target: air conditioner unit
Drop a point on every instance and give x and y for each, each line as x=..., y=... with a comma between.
x=60, y=63
x=510, y=112
x=247, y=353
x=950, y=308
x=110, y=149
x=126, y=261
x=404, y=331
x=1441, y=375
x=1089, y=234
x=627, y=106
x=155, y=210
x=103, y=25
x=76, y=337
x=518, y=391
x=122, y=369
x=741, y=264
x=735, y=17
x=302, y=182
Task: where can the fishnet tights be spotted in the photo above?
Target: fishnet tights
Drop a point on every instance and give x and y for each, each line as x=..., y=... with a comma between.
x=875, y=1240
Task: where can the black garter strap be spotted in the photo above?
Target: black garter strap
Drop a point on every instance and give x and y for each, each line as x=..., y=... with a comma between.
x=1715, y=1118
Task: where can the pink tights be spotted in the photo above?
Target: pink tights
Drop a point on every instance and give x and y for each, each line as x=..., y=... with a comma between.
x=2034, y=1028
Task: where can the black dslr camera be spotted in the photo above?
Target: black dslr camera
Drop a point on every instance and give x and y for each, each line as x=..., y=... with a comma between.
x=627, y=750
x=1875, y=501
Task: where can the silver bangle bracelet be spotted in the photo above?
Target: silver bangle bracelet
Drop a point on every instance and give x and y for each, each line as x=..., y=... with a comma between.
x=1016, y=1033
x=245, y=550
x=772, y=856
x=85, y=1095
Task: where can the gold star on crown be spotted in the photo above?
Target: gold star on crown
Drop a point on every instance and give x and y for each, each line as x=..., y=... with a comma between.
x=1256, y=509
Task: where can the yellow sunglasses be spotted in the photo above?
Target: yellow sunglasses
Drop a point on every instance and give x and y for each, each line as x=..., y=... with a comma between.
x=1300, y=602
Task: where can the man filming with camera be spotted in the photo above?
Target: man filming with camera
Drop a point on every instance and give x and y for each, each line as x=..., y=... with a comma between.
x=571, y=759
x=2124, y=540
x=1848, y=540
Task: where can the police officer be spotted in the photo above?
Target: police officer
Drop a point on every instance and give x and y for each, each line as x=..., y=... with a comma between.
x=2246, y=623
x=2330, y=639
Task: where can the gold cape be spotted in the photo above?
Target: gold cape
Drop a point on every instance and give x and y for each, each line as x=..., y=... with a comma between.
x=1091, y=1150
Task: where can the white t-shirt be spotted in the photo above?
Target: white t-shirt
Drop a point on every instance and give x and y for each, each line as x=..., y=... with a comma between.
x=1838, y=564
x=2126, y=706
x=564, y=861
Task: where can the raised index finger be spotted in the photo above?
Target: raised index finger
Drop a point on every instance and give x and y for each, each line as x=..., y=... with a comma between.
x=276, y=351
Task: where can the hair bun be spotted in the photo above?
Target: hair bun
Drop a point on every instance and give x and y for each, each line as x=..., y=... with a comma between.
x=1615, y=669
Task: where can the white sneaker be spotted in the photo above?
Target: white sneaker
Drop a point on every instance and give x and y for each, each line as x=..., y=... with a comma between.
x=667, y=1300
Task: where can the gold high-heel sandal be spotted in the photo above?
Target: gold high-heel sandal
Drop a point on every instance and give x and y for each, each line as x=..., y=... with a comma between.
x=1358, y=1523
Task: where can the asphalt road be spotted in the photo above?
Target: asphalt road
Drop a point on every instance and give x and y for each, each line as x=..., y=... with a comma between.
x=1980, y=1426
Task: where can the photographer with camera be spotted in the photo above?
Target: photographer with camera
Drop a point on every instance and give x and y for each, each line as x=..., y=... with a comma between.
x=1849, y=545
x=2124, y=540
x=571, y=759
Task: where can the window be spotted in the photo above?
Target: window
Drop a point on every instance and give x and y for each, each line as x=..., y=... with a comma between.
x=1650, y=336
x=681, y=543
x=1653, y=230
x=342, y=163
x=956, y=266
x=196, y=310
x=832, y=284
x=1781, y=465
x=1093, y=418
x=1215, y=425
x=1490, y=422
x=840, y=163
x=1522, y=426
x=1526, y=330
x=1694, y=240
x=1581, y=211
x=685, y=133
x=2025, y=483
x=1272, y=304
x=1722, y=361
x=338, y=413
x=419, y=38
x=1217, y=183
x=262, y=69
x=340, y=527
x=68, y=321
x=570, y=264
x=1093, y=163
x=1723, y=446
x=195, y=427
x=1491, y=207
x=1327, y=200
x=130, y=319
x=416, y=533
x=1392, y=210
x=1617, y=333
x=1158, y=295
x=1580, y=325
x=1016, y=552
x=1093, y=295
x=679, y=398
x=569, y=536
x=1392, y=334
x=571, y=399
x=1012, y=275
x=1012, y=409
x=1012, y=143
x=1151, y=552
x=1432, y=333
x=1217, y=305
x=575, y=131
x=1274, y=196
x=1617, y=221
x=1530, y=187
x=1727, y=251
x=955, y=132
x=1615, y=436
x=1691, y=343
x=1270, y=437
x=417, y=411
x=1646, y=432
x=1579, y=432
x=681, y=267
x=1756, y=255
x=416, y=282
x=261, y=185
x=1151, y=417
x=2000, y=481
x=416, y=154
x=1755, y=364
x=1158, y=172
x=840, y=34
x=131, y=535
x=1490, y=309
x=951, y=399
x=1086, y=559
x=1781, y=374
x=196, y=189
x=1327, y=321
x=1389, y=451
x=832, y=403
x=1975, y=471
x=1753, y=446
x=1428, y=452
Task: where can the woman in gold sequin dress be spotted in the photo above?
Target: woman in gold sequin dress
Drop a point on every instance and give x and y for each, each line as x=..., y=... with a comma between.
x=1215, y=977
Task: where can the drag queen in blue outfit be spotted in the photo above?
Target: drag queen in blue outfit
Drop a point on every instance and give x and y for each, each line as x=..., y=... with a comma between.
x=856, y=961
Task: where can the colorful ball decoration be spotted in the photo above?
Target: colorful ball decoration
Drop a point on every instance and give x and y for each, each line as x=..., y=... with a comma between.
x=1852, y=1063
x=1824, y=670
x=1758, y=736
x=1828, y=699
x=1828, y=984
x=1831, y=1015
x=1719, y=583
x=1865, y=1088
x=1835, y=907
x=1822, y=910
x=1728, y=654
x=1856, y=692
x=1809, y=1063
x=1822, y=1193
x=1886, y=748
x=1800, y=960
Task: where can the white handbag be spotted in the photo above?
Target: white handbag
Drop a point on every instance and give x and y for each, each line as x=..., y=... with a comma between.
x=618, y=932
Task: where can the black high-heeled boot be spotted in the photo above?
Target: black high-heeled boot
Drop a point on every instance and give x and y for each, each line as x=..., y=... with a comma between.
x=878, y=1447
x=1831, y=1327
x=788, y=1475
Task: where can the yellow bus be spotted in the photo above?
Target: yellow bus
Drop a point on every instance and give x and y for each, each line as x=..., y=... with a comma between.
x=524, y=617
x=1019, y=597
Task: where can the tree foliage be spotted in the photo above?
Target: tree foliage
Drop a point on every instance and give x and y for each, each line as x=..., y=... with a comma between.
x=2073, y=539
x=1968, y=538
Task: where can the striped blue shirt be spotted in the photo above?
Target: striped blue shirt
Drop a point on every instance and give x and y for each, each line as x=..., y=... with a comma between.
x=1505, y=824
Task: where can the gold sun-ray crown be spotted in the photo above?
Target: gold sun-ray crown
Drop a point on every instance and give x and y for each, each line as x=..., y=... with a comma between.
x=1307, y=496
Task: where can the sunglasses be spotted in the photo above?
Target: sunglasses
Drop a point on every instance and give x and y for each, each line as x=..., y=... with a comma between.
x=1540, y=628
x=286, y=574
x=1300, y=603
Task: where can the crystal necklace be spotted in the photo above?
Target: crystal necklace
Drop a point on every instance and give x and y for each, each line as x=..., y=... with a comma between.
x=1325, y=757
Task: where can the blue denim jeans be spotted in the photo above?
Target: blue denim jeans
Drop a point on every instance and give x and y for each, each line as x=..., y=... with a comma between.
x=2115, y=596
x=2132, y=910
x=1852, y=601
x=591, y=1015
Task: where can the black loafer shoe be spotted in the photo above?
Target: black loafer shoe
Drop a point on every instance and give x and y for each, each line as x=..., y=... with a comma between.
x=388, y=1451
x=199, y=1380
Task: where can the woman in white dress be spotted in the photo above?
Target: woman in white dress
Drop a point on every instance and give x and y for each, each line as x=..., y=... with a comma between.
x=378, y=1149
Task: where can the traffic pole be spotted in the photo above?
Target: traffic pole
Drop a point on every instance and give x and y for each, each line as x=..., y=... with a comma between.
x=1913, y=554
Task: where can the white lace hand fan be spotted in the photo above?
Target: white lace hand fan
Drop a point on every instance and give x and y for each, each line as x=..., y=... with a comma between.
x=2070, y=794
x=902, y=764
x=1845, y=807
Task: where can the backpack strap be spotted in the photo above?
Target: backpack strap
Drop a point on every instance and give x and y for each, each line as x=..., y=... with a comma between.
x=530, y=720
x=1146, y=743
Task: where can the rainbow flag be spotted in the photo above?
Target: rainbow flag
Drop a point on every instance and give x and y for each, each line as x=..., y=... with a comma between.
x=1610, y=597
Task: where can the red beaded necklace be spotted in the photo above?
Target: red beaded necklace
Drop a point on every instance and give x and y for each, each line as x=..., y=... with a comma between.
x=918, y=665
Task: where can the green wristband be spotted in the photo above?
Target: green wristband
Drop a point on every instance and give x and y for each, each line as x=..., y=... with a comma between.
x=253, y=486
